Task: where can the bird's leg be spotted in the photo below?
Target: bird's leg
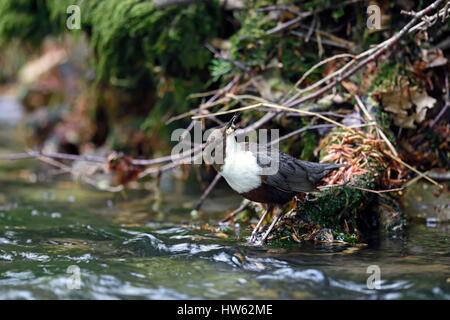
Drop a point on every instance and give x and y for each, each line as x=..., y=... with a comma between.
x=268, y=209
x=263, y=239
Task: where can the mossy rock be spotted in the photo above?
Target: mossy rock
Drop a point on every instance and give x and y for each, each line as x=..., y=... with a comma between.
x=349, y=212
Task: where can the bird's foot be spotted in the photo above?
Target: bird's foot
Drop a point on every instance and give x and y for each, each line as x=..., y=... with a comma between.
x=272, y=225
x=255, y=232
x=253, y=236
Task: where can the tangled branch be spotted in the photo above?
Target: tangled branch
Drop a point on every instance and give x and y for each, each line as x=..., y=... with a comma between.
x=420, y=21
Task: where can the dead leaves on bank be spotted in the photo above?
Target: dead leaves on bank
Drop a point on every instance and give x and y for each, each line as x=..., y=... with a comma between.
x=407, y=105
x=404, y=93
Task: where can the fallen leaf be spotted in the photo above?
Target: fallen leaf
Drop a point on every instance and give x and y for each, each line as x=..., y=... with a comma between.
x=423, y=102
x=396, y=101
x=401, y=103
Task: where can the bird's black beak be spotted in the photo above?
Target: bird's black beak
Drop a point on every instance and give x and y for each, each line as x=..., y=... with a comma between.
x=231, y=123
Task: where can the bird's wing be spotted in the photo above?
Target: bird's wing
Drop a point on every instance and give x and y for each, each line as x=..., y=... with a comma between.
x=284, y=172
x=289, y=174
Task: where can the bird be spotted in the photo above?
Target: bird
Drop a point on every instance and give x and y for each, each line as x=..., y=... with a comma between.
x=244, y=167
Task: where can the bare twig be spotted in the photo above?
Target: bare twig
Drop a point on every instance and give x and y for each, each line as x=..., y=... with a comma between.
x=360, y=60
x=235, y=212
x=207, y=191
x=54, y=155
x=276, y=107
x=85, y=158
x=376, y=191
x=320, y=41
x=287, y=24
x=84, y=178
x=213, y=101
x=321, y=63
x=347, y=184
x=379, y=130
x=329, y=82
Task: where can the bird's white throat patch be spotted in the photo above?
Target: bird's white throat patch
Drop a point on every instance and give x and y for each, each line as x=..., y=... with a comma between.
x=240, y=170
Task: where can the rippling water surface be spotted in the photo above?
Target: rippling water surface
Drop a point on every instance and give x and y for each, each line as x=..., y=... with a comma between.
x=131, y=246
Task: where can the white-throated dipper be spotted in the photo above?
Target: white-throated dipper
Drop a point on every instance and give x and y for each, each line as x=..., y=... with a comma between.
x=245, y=168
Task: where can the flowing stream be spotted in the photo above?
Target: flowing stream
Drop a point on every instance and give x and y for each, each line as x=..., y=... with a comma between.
x=60, y=239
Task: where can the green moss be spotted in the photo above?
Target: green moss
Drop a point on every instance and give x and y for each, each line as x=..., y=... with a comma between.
x=255, y=48
x=130, y=37
x=251, y=44
x=172, y=38
x=335, y=204
x=308, y=145
x=27, y=20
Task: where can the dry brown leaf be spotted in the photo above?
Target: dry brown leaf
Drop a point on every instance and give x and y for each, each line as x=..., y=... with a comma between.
x=396, y=101
x=401, y=102
x=423, y=102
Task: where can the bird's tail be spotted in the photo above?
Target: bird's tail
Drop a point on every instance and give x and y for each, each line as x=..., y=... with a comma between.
x=326, y=168
x=332, y=166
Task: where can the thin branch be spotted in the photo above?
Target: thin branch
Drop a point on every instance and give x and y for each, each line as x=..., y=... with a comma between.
x=287, y=24
x=54, y=155
x=85, y=179
x=379, y=130
x=330, y=81
x=207, y=191
x=235, y=212
x=376, y=191
x=346, y=184
x=361, y=60
x=321, y=63
x=327, y=42
x=277, y=107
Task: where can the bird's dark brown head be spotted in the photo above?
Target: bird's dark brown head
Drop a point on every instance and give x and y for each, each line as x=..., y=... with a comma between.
x=216, y=142
x=219, y=135
x=231, y=125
